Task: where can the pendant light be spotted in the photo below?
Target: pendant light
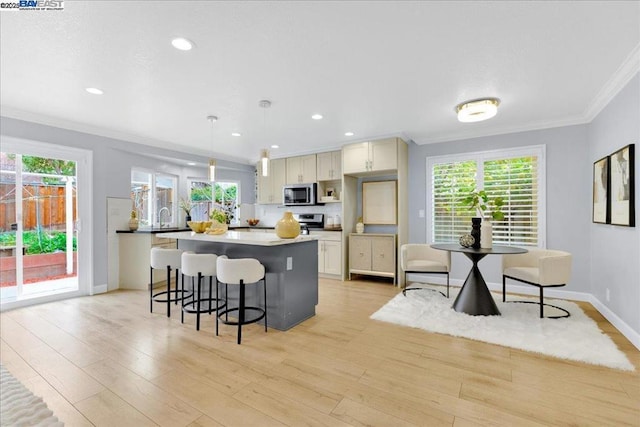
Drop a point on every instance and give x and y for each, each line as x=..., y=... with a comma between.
x=264, y=158
x=212, y=161
x=264, y=154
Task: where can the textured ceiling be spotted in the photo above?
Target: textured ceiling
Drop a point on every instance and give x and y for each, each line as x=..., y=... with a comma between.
x=372, y=68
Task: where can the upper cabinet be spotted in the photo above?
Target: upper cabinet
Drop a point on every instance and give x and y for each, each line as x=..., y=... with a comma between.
x=301, y=169
x=329, y=166
x=367, y=157
x=270, y=187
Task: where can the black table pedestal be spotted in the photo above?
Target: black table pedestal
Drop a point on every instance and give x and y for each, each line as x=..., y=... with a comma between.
x=474, y=297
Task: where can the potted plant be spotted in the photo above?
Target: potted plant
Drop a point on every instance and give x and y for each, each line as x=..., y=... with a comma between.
x=219, y=218
x=479, y=201
x=133, y=221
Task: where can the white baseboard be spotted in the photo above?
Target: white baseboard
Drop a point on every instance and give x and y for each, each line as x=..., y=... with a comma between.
x=559, y=293
x=100, y=289
x=618, y=323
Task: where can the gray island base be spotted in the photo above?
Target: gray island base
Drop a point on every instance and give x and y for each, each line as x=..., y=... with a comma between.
x=291, y=266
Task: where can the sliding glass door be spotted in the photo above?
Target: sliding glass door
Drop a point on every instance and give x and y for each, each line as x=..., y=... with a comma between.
x=39, y=224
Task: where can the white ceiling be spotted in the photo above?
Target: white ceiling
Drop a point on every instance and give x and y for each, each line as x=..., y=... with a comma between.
x=375, y=68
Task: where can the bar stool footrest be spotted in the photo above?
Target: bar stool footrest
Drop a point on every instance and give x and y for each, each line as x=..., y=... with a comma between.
x=205, y=305
x=179, y=295
x=261, y=314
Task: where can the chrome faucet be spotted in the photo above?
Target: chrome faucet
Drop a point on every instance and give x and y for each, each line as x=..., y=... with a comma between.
x=160, y=215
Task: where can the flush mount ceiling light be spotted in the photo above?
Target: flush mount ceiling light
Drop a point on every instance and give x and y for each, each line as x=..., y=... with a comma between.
x=348, y=134
x=94, y=91
x=477, y=110
x=317, y=117
x=275, y=146
x=236, y=134
x=181, y=43
x=212, y=161
x=264, y=154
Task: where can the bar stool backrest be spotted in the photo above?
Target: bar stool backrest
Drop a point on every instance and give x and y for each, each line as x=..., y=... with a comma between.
x=161, y=258
x=231, y=271
x=205, y=264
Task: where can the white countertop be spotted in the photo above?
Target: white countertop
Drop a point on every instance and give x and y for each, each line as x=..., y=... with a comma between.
x=239, y=237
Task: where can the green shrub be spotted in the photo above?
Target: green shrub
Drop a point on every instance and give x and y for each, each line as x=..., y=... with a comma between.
x=39, y=241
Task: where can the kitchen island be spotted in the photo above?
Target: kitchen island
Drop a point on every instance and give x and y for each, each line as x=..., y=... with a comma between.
x=291, y=269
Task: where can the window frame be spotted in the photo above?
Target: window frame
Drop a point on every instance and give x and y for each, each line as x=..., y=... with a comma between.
x=153, y=219
x=237, y=183
x=480, y=157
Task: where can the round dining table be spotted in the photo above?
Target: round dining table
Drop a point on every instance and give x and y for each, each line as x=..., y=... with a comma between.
x=474, y=297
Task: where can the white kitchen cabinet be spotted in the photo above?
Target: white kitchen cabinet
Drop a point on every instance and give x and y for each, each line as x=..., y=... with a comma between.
x=301, y=169
x=370, y=157
x=329, y=253
x=270, y=187
x=329, y=166
x=135, y=259
x=372, y=254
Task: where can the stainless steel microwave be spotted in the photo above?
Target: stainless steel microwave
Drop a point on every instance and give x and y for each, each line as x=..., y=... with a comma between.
x=299, y=194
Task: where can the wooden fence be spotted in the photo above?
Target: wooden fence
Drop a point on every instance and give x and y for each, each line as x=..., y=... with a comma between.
x=42, y=206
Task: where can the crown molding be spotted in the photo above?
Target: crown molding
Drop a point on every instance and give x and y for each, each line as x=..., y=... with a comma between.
x=17, y=114
x=627, y=70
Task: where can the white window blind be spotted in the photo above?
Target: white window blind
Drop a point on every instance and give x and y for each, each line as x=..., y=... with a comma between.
x=515, y=175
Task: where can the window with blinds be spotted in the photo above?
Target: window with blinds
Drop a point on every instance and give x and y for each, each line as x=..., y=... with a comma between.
x=515, y=175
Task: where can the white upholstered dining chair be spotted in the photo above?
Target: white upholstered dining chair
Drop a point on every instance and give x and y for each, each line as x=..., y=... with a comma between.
x=544, y=268
x=422, y=258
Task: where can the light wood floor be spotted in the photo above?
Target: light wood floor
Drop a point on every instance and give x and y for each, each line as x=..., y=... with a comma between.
x=106, y=361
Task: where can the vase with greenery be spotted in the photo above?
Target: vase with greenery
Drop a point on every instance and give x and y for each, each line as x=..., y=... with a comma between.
x=186, y=205
x=480, y=202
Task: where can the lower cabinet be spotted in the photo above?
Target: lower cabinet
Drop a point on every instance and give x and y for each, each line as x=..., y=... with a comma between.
x=372, y=254
x=135, y=259
x=329, y=253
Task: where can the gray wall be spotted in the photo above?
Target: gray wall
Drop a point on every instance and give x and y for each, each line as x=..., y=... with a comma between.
x=112, y=163
x=604, y=256
x=568, y=189
x=615, y=250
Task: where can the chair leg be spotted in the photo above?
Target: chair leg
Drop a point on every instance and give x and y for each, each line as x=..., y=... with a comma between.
x=240, y=311
x=150, y=289
x=211, y=295
x=404, y=286
x=198, y=302
x=265, y=302
x=217, y=306
x=504, y=287
x=541, y=304
x=182, y=304
x=168, y=291
x=447, y=285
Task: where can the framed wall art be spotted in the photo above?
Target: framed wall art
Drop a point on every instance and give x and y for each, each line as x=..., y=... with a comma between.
x=379, y=202
x=622, y=186
x=601, y=207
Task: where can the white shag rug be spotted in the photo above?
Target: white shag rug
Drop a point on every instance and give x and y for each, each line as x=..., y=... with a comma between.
x=575, y=338
x=20, y=407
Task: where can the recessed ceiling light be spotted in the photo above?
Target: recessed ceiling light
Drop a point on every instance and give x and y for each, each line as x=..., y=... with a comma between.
x=477, y=110
x=191, y=163
x=275, y=146
x=236, y=134
x=317, y=117
x=348, y=134
x=181, y=43
x=94, y=91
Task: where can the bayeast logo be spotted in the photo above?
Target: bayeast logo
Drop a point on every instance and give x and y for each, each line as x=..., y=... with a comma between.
x=41, y=4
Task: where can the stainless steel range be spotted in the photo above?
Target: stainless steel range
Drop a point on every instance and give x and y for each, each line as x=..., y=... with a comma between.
x=309, y=222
